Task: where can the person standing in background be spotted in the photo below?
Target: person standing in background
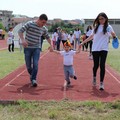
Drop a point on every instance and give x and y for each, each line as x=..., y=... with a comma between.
x=89, y=44
x=59, y=32
x=77, y=34
x=10, y=40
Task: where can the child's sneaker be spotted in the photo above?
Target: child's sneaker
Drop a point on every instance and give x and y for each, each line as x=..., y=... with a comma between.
x=68, y=83
x=101, y=86
x=94, y=81
x=34, y=83
x=75, y=78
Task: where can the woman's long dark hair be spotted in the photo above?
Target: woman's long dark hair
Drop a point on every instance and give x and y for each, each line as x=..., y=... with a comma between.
x=97, y=23
x=89, y=28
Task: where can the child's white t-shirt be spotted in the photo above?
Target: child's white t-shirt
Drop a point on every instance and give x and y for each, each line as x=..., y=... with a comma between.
x=68, y=57
x=101, y=40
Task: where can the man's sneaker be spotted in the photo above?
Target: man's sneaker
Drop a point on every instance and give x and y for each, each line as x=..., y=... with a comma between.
x=101, y=86
x=30, y=77
x=75, y=78
x=94, y=81
x=34, y=83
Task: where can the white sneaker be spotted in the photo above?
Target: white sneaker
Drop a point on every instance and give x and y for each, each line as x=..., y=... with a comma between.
x=101, y=86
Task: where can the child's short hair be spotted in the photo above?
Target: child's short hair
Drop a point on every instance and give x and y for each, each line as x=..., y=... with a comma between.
x=67, y=43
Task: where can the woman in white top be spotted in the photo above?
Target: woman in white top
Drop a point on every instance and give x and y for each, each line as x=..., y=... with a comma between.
x=89, y=44
x=101, y=33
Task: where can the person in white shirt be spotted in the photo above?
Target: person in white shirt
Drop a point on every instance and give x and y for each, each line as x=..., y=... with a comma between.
x=68, y=54
x=71, y=39
x=54, y=39
x=101, y=33
x=10, y=40
x=77, y=34
x=89, y=44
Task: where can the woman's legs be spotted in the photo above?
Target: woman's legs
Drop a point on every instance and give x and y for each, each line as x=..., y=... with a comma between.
x=99, y=58
x=95, y=62
x=103, y=56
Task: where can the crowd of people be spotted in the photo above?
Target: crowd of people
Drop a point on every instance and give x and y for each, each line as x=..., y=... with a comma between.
x=61, y=36
x=95, y=40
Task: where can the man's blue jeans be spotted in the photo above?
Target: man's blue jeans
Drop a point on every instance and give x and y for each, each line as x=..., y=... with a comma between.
x=32, y=56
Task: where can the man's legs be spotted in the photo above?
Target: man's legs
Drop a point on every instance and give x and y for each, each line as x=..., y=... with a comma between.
x=31, y=58
x=36, y=56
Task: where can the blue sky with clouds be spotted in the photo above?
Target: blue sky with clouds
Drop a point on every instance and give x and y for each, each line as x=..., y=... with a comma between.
x=64, y=9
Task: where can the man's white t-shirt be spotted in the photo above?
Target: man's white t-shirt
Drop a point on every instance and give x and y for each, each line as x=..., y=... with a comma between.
x=101, y=40
x=68, y=57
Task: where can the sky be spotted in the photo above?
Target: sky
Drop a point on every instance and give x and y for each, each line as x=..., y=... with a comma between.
x=63, y=9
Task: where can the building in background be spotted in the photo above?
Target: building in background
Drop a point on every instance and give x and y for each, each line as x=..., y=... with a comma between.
x=6, y=18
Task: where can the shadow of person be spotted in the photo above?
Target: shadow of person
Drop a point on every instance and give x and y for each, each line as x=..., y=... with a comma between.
x=102, y=93
x=99, y=93
x=27, y=88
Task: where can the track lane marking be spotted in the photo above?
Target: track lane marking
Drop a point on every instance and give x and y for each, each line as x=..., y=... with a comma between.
x=7, y=84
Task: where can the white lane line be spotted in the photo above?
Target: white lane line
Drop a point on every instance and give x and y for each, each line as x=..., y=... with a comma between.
x=64, y=89
x=7, y=84
x=113, y=76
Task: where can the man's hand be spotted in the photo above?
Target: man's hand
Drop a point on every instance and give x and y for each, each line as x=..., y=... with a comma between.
x=50, y=49
x=24, y=43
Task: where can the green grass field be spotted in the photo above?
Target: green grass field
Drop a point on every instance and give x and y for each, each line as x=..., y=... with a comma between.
x=61, y=110
x=113, y=58
x=9, y=61
x=56, y=110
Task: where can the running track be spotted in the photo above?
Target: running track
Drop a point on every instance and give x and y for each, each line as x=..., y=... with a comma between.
x=50, y=79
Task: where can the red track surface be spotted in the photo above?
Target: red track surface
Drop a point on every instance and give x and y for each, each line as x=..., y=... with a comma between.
x=50, y=80
x=3, y=44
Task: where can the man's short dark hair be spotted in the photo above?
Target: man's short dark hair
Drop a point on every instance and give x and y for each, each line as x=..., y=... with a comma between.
x=43, y=17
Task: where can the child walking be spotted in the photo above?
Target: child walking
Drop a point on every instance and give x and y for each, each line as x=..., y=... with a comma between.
x=68, y=54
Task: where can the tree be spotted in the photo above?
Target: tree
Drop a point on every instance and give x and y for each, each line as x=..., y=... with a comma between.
x=1, y=26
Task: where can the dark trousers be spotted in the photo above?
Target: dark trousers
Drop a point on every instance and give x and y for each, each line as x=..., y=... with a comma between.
x=90, y=46
x=99, y=58
x=11, y=47
x=58, y=44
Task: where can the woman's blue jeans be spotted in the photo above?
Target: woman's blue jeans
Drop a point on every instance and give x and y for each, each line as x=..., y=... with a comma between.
x=32, y=56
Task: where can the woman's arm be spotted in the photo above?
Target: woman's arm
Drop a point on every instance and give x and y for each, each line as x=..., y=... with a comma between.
x=88, y=39
x=113, y=34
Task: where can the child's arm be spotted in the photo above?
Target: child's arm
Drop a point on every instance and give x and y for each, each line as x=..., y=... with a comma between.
x=55, y=51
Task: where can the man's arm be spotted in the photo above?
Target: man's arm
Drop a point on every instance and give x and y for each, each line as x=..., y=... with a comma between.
x=24, y=43
x=55, y=51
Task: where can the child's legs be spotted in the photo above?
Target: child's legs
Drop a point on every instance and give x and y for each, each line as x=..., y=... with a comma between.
x=13, y=47
x=9, y=47
x=66, y=73
x=71, y=71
